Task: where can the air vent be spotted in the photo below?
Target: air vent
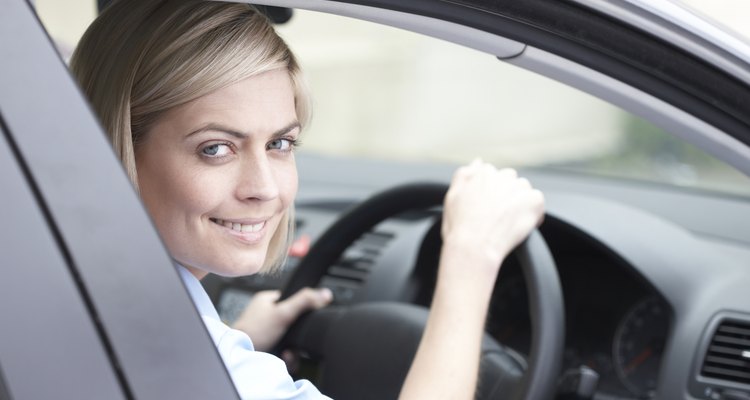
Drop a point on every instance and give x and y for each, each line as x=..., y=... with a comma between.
x=728, y=355
x=347, y=275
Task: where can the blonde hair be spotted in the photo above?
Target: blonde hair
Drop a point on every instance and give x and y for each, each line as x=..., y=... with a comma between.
x=140, y=58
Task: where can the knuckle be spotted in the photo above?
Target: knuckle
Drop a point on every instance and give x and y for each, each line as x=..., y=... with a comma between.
x=538, y=197
x=523, y=183
x=463, y=171
x=307, y=294
x=508, y=173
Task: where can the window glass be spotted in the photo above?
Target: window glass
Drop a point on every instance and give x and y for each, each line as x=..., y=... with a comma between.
x=731, y=15
x=384, y=93
x=65, y=21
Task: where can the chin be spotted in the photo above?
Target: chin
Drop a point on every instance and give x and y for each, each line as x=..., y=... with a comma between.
x=241, y=267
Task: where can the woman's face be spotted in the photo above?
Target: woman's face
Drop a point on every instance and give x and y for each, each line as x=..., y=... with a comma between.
x=218, y=174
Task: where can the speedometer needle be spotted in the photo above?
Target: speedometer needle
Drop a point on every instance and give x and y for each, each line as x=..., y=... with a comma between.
x=638, y=360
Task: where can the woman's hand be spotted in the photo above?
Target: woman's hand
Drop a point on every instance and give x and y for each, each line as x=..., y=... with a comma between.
x=265, y=320
x=487, y=212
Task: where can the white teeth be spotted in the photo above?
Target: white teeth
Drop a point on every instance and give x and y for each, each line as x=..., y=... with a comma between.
x=252, y=228
x=240, y=227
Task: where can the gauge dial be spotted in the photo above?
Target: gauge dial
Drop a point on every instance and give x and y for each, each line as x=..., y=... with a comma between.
x=638, y=344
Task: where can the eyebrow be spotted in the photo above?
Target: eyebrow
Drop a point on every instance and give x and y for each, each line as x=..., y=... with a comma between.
x=241, y=135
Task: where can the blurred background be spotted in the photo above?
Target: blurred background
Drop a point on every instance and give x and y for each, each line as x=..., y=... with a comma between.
x=416, y=99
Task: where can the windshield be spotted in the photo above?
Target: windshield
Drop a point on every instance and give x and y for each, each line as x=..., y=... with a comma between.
x=384, y=93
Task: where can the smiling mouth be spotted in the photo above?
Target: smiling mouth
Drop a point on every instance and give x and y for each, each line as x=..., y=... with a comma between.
x=239, y=227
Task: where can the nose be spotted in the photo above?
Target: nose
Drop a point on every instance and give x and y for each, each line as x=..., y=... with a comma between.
x=257, y=180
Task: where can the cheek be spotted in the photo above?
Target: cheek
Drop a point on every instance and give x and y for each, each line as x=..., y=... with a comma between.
x=200, y=190
x=286, y=178
x=174, y=191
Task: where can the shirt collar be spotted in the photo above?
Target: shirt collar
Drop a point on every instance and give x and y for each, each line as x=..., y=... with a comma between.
x=198, y=294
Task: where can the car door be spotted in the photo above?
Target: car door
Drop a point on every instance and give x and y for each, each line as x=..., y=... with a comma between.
x=92, y=307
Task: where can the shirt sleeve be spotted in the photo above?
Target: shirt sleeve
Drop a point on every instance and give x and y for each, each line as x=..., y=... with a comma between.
x=256, y=375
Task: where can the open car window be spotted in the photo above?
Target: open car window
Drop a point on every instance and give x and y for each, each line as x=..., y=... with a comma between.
x=385, y=93
x=413, y=98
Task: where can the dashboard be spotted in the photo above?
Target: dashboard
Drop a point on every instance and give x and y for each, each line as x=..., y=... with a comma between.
x=649, y=274
x=617, y=324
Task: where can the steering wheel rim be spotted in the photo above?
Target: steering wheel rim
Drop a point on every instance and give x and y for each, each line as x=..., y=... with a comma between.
x=543, y=284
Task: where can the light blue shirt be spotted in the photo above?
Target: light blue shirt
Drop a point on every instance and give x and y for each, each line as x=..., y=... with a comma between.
x=255, y=374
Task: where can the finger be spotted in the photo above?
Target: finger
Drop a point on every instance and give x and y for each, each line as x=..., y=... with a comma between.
x=523, y=183
x=537, y=198
x=306, y=299
x=529, y=207
x=485, y=172
x=488, y=167
x=507, y=173
x=269, y=296
x=324, y=297
x=466, y=172
x=462, y=174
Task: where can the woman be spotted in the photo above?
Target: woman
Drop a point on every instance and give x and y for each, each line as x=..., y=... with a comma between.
x=204, y=105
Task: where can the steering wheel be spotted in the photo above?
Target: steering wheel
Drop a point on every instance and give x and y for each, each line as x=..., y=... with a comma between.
x=367, y=348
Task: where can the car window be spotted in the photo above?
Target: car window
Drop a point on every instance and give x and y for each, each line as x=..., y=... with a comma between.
x=731, y=15
x=388, y=94
x=384, y=93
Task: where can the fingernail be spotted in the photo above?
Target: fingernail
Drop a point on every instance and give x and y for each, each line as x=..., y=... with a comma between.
x=326, y=294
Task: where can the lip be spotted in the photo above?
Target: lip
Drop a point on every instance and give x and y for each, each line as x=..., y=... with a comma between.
x=247, y=230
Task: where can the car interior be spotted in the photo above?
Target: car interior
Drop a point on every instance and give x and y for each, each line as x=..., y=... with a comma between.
x=637, y=136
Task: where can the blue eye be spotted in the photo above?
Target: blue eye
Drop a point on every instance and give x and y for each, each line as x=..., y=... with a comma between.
x=216, y=150
x=281, y=144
